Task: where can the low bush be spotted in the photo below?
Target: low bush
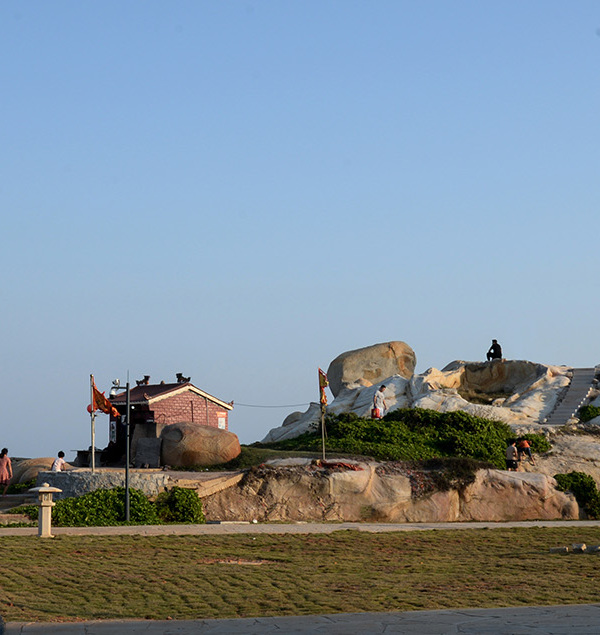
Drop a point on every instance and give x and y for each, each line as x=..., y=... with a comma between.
x=584, y=489
x=180, y=505
x=589, y=412
x=102, y=508
x=21, y=488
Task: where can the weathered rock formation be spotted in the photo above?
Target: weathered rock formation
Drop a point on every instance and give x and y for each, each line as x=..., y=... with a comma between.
x=187, y=444
x=369, y=365
x=379, y=493
x=519, y=393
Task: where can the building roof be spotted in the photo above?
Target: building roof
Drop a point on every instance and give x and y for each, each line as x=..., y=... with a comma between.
x=151, y=393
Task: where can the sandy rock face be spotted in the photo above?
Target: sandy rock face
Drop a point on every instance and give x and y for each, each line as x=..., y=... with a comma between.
x=370, y=365
x=188, y=444
x=306, y=493
x=506, y=496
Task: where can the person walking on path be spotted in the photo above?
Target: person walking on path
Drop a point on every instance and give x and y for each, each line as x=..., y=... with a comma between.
x=5, y=470
x=379, y=405
x=512, y=457
x=495, y=351
x=59, y=463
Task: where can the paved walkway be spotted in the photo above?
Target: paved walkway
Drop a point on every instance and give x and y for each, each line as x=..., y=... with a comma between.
x=555, y=620
x=211, y=529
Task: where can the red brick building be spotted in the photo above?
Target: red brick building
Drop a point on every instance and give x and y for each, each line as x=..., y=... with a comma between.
x=153, y=406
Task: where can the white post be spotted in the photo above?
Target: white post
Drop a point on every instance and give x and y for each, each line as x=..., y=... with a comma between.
x=45, y=506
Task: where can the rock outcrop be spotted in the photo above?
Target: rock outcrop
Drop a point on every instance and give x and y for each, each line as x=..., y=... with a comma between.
x=517, y=392
x=369, y=365
x=379, y=493
x=187, y=444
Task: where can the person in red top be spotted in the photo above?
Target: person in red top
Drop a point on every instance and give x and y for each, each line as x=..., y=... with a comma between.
x=5, y=470
x=524, y=448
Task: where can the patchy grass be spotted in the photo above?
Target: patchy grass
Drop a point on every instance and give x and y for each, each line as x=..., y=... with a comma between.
x=74, y=578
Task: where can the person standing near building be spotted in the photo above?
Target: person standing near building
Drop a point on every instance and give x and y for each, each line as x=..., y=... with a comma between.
x=6, y=472
x=379, y=404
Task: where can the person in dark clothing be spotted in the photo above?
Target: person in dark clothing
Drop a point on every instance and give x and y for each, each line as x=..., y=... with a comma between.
x=495, y=351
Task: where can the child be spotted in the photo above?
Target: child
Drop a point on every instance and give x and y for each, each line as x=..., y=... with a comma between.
x=59, y=463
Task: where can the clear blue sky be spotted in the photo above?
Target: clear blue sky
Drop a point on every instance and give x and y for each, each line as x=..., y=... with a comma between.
x=240, y=191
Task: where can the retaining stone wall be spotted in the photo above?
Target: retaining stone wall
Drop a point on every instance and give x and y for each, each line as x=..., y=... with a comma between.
x=78, y=483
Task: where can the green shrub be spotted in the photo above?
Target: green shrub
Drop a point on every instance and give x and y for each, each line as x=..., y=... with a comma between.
x=28, y=510
x=102, y=508
x=180, y=505
x=584, y=489
x=411, y=434
x=589, y=412
x=21, y=488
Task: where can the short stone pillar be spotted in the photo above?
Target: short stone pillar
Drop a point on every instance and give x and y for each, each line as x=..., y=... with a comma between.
x=45, y=505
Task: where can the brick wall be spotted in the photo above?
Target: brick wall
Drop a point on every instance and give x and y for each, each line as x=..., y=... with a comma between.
x=189, y=406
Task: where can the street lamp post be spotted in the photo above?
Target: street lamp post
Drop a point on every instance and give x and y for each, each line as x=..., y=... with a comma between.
x=113, y=392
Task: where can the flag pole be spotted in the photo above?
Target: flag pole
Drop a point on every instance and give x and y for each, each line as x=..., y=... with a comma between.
x=93, y=421
x=323, y=428
x=323, y=382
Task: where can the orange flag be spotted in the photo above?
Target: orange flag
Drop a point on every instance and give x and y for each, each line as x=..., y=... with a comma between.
x=323, y=383
x=102, y=403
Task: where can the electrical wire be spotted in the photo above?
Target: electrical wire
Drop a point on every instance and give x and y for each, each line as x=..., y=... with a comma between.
x=249, y=405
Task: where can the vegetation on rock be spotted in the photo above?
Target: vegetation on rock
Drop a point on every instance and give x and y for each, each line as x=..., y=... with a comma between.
x=589, y=412
x=415, y=434
x=584, y=489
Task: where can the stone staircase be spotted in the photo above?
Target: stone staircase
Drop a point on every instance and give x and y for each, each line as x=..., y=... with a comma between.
x=578, y=391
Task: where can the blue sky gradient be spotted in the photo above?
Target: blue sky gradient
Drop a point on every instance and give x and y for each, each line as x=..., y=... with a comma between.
x=241, y=191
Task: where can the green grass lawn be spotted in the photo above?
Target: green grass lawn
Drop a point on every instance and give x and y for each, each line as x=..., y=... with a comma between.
x=191, y=577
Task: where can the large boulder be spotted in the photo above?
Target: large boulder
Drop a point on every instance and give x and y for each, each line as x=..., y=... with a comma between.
x=186, y=444
x=497, y=376
x=28, y=469
x=370, y=365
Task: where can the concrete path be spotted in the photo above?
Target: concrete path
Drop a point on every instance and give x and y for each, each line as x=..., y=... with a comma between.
x=555, y=620
x=578, y=391
x=212, y=529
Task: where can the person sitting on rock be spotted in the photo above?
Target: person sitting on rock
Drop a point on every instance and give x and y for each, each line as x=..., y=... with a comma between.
x=495, y=351
x=59, y=463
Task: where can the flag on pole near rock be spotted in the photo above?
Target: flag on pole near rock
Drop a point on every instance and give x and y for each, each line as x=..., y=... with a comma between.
x=323, y=383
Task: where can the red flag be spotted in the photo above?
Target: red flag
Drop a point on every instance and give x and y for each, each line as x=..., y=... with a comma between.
x=323, y=383
x=102, y=403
